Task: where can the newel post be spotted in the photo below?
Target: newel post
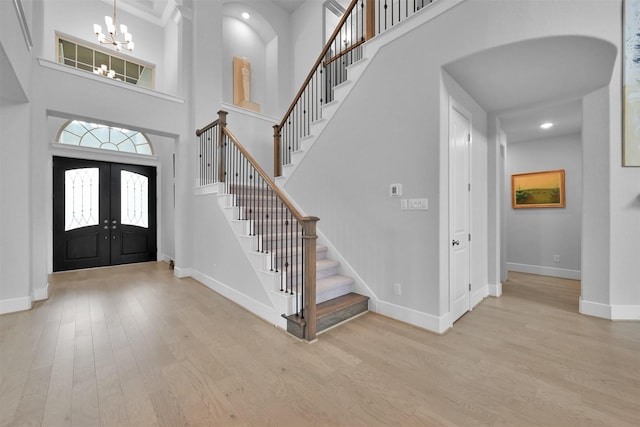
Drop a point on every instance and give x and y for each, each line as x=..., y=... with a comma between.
x=276, y=150
x=222, y=123
x=309, y=241
x=370, y=30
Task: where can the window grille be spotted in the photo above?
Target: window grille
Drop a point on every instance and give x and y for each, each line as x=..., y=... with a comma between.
x=83, y=134
x=74, y=53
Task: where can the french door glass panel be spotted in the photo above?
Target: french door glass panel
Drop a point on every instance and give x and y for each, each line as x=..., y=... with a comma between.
x=134, y=199
x=82, y=198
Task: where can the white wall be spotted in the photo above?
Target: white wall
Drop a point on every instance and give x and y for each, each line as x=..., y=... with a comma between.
x=173, y=57
x=392, y=133
x=306, y=40
x=76, y=18
x=165, y=150
x=16, y=281
x=255, y=133
x=534, y=236
x=273, y=24
x=15, y=208
x=242, y=41
x=596, y=244
x=207, y=248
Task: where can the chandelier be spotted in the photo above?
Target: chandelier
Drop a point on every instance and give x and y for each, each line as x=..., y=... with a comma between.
x=113, y=34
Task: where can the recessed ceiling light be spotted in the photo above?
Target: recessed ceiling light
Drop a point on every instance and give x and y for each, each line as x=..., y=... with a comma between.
x=546, y=125
x=245, y=15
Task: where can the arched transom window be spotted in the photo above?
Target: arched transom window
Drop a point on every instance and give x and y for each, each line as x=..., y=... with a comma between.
x=83, y=134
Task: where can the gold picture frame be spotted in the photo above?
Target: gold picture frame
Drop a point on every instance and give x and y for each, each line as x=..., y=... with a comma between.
x=631, y=84
x=538, y=190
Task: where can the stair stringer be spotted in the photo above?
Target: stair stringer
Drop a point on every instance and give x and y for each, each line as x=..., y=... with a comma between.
x=355, y=71
x=282, y=302
x=341, y=91
x=359, y=286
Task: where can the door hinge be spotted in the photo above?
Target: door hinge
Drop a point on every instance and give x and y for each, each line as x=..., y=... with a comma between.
x=469, y=287
x=469, y=236
x=469, y=137
x=469, y=187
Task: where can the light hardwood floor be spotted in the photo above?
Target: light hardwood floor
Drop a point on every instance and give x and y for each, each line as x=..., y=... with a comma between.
x=134, y=346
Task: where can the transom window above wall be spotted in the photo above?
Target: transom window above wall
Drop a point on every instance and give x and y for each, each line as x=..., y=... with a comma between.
x=82, y=55
x=92, y=135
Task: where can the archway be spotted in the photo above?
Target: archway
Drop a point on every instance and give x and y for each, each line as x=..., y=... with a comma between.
x=519, y=81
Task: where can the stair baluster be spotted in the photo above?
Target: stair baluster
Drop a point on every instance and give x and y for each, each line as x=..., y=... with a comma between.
x=269, y=214
x=345, y=47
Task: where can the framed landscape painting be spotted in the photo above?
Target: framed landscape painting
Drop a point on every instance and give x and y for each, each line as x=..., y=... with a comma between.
x=631, y=84
x=538, y=190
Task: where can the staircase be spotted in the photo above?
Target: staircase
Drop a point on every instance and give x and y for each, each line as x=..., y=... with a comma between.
x=303, y=283
x=268, y=245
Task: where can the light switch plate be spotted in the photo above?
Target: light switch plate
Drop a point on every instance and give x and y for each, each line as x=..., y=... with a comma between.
x=414, y=204
x=395, y=190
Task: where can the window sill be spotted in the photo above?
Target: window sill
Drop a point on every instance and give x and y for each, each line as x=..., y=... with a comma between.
x=105, y=80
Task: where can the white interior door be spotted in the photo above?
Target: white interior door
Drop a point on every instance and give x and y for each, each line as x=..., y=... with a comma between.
x=459, y=212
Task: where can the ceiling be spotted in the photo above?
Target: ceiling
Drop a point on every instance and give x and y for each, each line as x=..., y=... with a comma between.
x=157, y=7
x=289, y=5
x=538, y=80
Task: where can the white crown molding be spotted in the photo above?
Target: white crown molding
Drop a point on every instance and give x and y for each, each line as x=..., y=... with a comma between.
x=160, y=20
x=24, y=24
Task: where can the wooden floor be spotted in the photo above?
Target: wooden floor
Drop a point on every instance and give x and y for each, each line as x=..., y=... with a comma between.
x=133, y=346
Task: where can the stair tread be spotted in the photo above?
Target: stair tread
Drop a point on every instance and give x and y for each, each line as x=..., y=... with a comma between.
x=333, y=281
x=328, y=307
x=326, y=263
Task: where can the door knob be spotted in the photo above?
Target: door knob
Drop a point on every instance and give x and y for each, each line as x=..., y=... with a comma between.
x=455, y=242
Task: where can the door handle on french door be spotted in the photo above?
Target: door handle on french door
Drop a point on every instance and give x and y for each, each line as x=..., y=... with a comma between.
x=455, y=242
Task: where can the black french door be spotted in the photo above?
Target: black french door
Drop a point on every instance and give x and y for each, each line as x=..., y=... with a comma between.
x=103, y=213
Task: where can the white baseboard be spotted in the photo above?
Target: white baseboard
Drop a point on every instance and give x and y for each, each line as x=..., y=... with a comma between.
x=479, y=295
x=595, y=309
x=181, y=272
x=545, y=271
x=256, y=307
x=417, y=318
x=625, y=312
x=41, y=294
x=611, y=312
x=495, y=290
x=164, y=258
x=13, y=305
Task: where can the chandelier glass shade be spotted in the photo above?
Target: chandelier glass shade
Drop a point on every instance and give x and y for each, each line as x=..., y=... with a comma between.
x=112, y=37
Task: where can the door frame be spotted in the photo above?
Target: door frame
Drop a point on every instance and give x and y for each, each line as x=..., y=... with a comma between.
x=83, y=153
x=460, y=109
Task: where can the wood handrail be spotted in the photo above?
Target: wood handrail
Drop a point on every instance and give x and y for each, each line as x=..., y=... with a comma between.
x=207, y=127
x=318, y=61
x=344, y=52
x=294, y=211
